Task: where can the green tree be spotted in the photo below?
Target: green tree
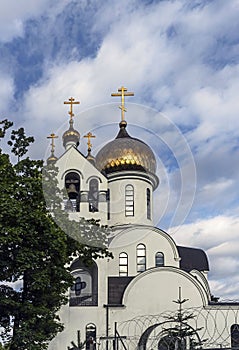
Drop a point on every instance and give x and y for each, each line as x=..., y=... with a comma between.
x=180, y=335
x=33, y=251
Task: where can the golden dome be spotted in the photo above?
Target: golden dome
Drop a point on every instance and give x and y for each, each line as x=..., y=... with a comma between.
x=71, y=135
x=125, y=152
x=52, y=159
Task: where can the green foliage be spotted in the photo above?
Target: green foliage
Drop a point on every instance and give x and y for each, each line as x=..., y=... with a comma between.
x=33, y=252
x=19, y=142
x=180, y=335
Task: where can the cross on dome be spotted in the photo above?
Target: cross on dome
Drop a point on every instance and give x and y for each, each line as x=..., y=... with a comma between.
x=52, y=158
x=71, y=101
x=52, y=137
x=89, y=136
x=122, y=91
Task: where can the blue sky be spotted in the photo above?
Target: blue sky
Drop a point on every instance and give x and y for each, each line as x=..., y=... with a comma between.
x=181, y=59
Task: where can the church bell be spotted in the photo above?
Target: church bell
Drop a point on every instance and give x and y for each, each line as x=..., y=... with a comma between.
x=72, y=191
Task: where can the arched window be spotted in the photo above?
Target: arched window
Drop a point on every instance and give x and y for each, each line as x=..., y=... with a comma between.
x=235, y=336
x=159, y=259
x=72, y=185
x=141, y=257
x=93, y=196
x=90, y=336
x=123, y=264
x=129, y=200
x=84, y=291
x=148, y=195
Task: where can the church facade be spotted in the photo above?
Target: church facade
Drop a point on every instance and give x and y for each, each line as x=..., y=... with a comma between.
x=153, y=294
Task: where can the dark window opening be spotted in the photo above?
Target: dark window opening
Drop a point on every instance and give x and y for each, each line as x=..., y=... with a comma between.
x=148, y=194
x=159, y=259
x=72, y=185
x=93, y=196
x=235, y=336
x=90, y=336
x=108, y=204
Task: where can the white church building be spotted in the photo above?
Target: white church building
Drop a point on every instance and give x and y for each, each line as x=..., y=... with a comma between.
x=128, y=302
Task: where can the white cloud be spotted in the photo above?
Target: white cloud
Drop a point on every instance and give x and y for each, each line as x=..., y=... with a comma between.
x=219, y=237
x=13, y=15
x=6, y=93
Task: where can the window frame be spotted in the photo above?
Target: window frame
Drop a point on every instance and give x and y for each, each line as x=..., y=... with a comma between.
x=159, y=257
x=123, y=255
x=129, y=198
x=90, y=332
x=141, y=254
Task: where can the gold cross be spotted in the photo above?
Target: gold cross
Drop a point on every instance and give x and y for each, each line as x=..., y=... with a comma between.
x=122, y=92
x=71, y=102
x=89, y=136
x=52, y=137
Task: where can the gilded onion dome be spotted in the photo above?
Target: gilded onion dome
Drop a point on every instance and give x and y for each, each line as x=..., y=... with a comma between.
x=71, y=136
x=52, y=159
x=125, y=152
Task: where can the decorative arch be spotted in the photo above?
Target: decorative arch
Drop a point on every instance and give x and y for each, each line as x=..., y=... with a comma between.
x=167, y=237
x=171, y=269
x=94, y=177
x=77, y=171
x=165, y=341
x=84, y=291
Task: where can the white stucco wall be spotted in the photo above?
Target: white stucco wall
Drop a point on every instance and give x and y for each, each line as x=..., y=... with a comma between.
x=117, y=183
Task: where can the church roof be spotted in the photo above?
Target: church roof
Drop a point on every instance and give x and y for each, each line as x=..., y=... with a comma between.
x=193, y=258
x=125, y=152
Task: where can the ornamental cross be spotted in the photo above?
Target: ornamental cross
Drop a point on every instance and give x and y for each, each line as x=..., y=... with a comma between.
x=122, y=92
x=89, y=136
x=52, y=137
x=71, y=102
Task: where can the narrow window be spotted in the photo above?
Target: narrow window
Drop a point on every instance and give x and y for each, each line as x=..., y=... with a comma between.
x=159, y=259
x=148, y=195
x=235, y=336
x=72, y=185
x=123, y=264
x=129, y=200
x=90, y=336
x=93, y=195
x=108, y=204
x=141, y=257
